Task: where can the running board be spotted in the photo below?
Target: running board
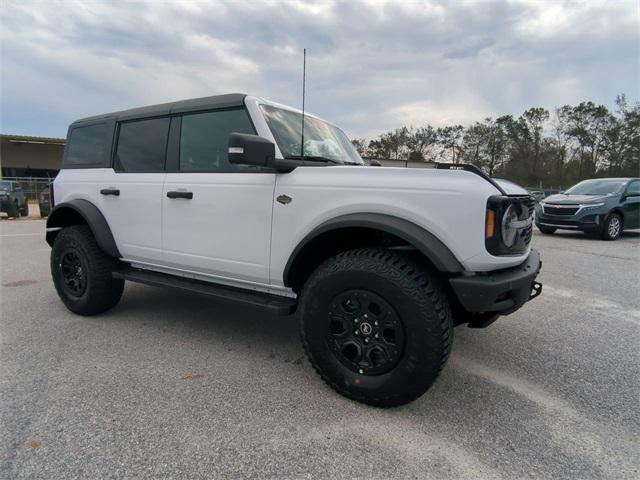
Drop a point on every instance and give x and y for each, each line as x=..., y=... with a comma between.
x=274, y=303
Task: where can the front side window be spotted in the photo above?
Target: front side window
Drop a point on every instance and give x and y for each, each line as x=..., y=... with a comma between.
x=87, y=145
x=204, y=140
x=321, y=140
x=142, y=146
x=634, y=188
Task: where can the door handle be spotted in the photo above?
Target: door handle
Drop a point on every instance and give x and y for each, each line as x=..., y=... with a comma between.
x=180, y=194
x=110, y=191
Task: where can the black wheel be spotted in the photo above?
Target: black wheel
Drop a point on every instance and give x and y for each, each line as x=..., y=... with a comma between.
x=546, y=230
x=13, y=210
x=612, y=227
x=81, y=272
x=375, y=326
x=25, y=210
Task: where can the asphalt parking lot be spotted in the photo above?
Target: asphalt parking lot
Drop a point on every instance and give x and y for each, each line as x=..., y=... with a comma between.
x=173, y=385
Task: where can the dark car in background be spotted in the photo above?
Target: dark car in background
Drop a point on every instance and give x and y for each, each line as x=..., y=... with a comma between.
x=602, y=206
x=12, y=199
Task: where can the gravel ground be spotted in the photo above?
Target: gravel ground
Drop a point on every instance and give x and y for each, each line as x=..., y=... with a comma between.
x=173, y=385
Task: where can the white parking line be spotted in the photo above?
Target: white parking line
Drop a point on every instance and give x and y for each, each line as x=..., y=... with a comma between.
x=603, y=305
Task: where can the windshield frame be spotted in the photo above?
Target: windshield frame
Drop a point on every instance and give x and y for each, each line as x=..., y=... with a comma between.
x=339, y=140
x=594, y=183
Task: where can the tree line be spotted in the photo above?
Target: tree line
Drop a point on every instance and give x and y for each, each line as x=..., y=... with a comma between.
x=539, y=147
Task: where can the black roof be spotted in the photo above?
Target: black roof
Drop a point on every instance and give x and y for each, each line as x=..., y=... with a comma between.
x=203, y=103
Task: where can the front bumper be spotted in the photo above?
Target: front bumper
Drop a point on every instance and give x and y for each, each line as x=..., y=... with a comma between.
x=5, y=202
x=503, y=291
x=587, y=222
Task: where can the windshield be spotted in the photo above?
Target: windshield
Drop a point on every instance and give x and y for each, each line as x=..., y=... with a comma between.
x=320, y=138
x=596, y=187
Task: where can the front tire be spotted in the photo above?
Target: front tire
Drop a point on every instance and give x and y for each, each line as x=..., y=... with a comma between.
x=376, y=326
x=13, y=211
x=612, y=227
x=81, y=272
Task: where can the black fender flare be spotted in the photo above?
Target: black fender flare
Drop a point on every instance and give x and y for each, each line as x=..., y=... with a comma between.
x=92, y=217
x=424, y=241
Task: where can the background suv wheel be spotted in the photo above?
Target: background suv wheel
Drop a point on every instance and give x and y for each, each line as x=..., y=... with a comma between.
x=612, y=227
x=546, y=230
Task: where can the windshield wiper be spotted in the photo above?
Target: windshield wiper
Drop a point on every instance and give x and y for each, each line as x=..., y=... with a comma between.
x=319, y=158
x=313, y=158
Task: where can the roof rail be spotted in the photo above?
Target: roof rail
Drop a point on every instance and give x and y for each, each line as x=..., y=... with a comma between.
x=467, y=167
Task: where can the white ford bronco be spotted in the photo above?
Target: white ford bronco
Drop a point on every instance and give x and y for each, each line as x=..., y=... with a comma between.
x=251, y=201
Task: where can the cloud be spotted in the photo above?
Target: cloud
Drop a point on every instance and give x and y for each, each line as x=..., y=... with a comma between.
x=371, y=66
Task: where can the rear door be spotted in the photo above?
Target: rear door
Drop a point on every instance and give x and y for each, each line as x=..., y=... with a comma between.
x=130, y=193
x=216, y=217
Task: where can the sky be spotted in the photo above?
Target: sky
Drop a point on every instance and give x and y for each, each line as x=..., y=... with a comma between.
x=371, y=66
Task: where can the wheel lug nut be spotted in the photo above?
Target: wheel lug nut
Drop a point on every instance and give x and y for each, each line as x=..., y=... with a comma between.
x=366, y=316
x=376, y=335
x=356, y=320
x=356, y=332
x=375, y=323
x=366, y=340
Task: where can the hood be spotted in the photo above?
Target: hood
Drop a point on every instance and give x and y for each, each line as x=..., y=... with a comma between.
x=510, y=187
x=561, y=198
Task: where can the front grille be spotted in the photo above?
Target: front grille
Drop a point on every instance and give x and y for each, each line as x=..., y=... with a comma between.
x=550, y=209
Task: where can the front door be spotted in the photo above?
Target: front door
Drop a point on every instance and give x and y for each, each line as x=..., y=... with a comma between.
x=216, y=217
x=631, y=205
x=130, y=193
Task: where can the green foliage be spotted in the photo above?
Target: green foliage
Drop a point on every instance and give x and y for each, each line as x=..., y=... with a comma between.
x=576, y=142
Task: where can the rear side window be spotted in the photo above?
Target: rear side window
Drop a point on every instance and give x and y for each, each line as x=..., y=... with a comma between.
x=87, y=145
x=204, y=140
x=142, y=146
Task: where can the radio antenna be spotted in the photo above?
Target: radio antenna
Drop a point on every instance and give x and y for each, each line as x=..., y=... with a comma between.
x=304, y=76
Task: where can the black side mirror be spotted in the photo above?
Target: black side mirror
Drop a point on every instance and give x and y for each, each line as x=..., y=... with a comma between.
x=247, y=149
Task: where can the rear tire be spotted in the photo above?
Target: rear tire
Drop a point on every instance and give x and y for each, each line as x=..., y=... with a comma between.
x=399, y=302
x=612, y=227
x=25, y=211
x=546, y=230
x=81, y=272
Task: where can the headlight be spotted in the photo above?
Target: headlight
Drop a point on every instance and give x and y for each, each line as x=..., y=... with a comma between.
x=592, y=206
x=508, y=231
x=508, y=224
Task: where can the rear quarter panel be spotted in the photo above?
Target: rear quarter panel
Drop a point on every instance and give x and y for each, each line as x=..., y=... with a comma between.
x=74, y=183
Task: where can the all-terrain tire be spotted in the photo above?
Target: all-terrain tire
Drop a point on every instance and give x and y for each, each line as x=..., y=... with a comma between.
x=612, y=227
x=25, y=211
x=546, y=230
x=414, y=297
x=93, y=290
